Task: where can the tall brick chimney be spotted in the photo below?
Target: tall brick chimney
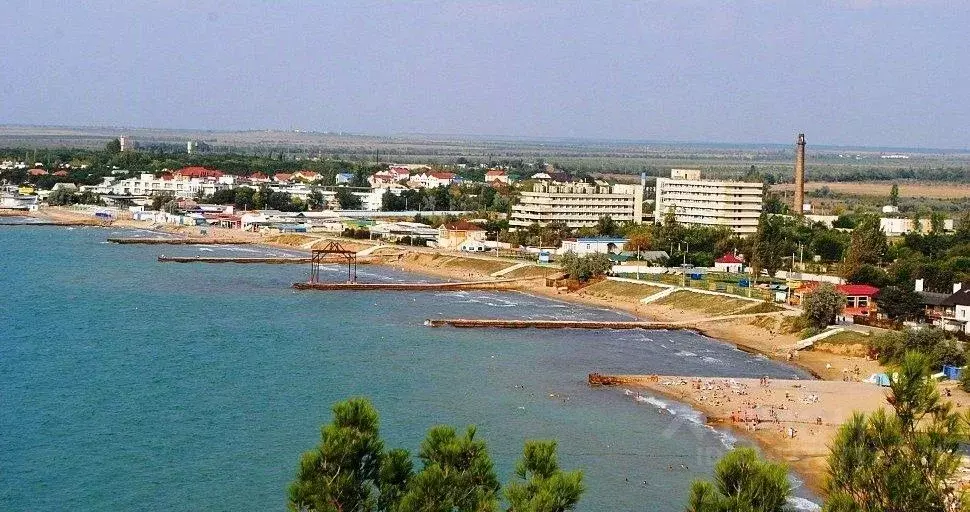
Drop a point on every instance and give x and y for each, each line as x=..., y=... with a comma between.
x=799, y=199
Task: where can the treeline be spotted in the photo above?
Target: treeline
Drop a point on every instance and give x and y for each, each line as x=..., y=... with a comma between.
x=468, y=197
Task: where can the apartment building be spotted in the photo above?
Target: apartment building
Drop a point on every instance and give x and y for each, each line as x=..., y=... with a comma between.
x=733, y=204
x=578, y=204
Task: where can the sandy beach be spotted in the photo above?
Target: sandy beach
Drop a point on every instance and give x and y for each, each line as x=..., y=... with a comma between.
x=793, y=420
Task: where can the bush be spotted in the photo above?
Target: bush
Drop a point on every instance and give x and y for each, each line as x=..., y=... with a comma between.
x=585, y=267
x=965, y=380
x=823, y=306
x=933, y=343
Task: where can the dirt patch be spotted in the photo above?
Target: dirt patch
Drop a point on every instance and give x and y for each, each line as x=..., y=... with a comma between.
x=619, y=289
x=290, y=240
x=710, y=304
x=882, y=188
x=532, y=271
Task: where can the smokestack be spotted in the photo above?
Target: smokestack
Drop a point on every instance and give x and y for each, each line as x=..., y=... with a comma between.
x=800, y=174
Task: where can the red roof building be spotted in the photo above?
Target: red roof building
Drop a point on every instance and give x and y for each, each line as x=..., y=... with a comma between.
x=60, y=173
x=282, y=177
x=36, y=172
x=860, y=299
x=197, y=172
x=729, y=258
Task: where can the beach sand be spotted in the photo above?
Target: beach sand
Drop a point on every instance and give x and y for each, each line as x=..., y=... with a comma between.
x=794, y=421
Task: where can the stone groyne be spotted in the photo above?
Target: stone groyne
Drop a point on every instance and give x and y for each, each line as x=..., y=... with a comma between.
x=471, y=285
x=179, y=241
x=546, y=324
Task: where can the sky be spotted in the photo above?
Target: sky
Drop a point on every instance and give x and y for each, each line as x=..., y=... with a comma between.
x=874, y=73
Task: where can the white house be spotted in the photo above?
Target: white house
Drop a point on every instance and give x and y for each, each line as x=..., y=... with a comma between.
x=729, y=263
x=599, y=244
x=895, y=226
x=497, y=176
x=434, y=179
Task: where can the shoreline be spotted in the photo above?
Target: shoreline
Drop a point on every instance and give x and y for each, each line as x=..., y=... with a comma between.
x=735, y=332
x=764, y=413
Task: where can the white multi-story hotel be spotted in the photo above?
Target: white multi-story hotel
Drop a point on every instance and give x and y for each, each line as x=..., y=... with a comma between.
x=148, y=184
x=578, y=204
x=734, y=204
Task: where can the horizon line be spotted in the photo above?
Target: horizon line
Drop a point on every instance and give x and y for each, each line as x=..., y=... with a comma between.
x=915, y=149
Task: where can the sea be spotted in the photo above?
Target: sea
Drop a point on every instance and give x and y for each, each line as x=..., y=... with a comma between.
x=129, y=384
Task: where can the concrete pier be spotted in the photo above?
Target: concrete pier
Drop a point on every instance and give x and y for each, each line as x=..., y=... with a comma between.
x=55, y=223
x=207, y=259
x=510, y=284
x=280, y=260
x=547, y=324
x=178, y=241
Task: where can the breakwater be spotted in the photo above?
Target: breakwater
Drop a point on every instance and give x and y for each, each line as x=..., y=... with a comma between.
x=278, y=260
x=499, y=323
x=91, y=222
x=207, y=259
x=178, y=241
x=509, y=284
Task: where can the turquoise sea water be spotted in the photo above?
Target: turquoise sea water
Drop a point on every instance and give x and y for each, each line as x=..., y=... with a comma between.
x=128, y=384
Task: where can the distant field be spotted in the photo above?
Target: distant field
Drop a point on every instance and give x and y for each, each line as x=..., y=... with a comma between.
x=881, y=189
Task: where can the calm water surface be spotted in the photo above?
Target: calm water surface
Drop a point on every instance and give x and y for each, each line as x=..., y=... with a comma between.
x=125, y=383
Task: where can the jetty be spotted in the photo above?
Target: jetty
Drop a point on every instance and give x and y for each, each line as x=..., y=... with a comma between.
x=211, y=259
x=54, y=223
x=178, y=241
x=278, y=260
x=547, y=324
x=505, y=284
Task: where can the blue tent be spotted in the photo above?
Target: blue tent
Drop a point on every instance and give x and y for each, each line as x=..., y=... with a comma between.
x=952, y=372
x=880, y=378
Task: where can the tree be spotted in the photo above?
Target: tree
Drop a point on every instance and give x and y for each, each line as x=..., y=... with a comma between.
x=899, y=461
x=894, y=195
x=60, y=197
x=867, y=245
x=113, y=147
x=639, y=239
x=899, y=303
x=543, y=486
x=670, y=231
x=892, y=346
x=770, y=245
x=869, y=274
x=159, y=200
x=606, y=226
x=822, y=306
x=582, y=268
x=828, y=245
x=315, y=200
x=742, y=482
x=350, y=470
x=457, y=474
x=347, y=200
x=342, y=472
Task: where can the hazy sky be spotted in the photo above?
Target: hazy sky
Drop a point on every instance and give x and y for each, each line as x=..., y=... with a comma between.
x=851, y=72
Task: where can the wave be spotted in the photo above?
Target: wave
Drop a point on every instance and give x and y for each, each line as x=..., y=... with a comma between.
x=685, y=353
x=804, y=504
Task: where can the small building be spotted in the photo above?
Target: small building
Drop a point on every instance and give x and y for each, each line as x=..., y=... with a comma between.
x=472, y=245
x=497, y=176
x=956, y=315
x=860, y=299
x=729, y=263
x=594, y=245
x=454, y=234
x=343, y=178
